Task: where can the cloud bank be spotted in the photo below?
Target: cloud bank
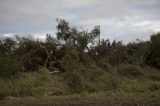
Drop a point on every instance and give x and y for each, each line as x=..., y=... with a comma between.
x=119, y=19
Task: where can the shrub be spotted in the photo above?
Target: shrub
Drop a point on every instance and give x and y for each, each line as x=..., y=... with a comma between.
x=129, y=70
x=10, y=66
x=72, y=69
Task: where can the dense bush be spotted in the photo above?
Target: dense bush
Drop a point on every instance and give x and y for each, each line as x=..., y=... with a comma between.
x=78, y=57
x=10, y=66
x=154, y=57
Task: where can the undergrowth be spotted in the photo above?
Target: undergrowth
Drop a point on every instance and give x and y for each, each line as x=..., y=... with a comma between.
x=43, y=83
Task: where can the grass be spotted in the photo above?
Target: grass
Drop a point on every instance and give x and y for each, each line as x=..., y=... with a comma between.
x=103, y=96
x=97, y=97
x=43, y=87
x=39, y=83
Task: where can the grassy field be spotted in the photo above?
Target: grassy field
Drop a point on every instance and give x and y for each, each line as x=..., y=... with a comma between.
x=43, y=88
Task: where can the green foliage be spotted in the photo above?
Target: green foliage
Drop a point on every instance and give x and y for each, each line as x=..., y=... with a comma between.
x=138, y=52
x=72, y=69
x=63, y=30
x=154, y=57
x=71, y=61
x=108, y=53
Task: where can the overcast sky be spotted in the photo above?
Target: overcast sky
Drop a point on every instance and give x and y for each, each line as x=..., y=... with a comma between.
x=119, y=19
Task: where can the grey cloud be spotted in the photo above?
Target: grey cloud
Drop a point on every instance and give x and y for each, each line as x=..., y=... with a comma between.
x=118, y=18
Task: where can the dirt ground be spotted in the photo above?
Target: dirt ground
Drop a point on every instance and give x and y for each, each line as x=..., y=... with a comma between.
x=13, y=103
x=100, y=104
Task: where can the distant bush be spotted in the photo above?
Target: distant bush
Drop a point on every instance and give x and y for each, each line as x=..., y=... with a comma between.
x=129, y=70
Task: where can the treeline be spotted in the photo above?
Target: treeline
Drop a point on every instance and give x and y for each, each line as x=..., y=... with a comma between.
x=75, y=54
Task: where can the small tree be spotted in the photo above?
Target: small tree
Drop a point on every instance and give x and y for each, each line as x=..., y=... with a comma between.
x=72, y=69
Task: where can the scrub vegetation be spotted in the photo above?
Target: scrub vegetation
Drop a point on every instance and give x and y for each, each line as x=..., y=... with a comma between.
x=79, y=66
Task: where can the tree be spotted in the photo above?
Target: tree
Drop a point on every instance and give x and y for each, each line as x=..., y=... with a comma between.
x=72, y=68
x=154, y=56
x=63, y=30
